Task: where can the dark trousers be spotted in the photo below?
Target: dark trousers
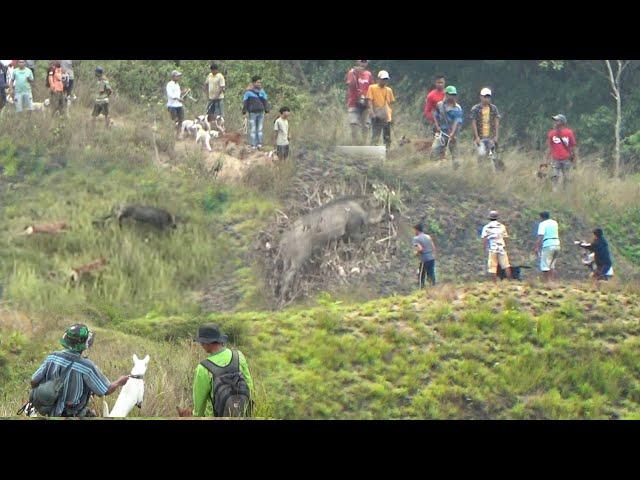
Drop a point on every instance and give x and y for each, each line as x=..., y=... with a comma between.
x=57, y=100
x=428, y=268
x=380, y=126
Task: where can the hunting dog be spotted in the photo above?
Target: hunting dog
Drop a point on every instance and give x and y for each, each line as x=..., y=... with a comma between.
x=40, y=106
x=543, y=171
x=132, y=393
x=50, y=228
x=78, y=272
x=418, y=145
x=516, y=272
x=232, y=137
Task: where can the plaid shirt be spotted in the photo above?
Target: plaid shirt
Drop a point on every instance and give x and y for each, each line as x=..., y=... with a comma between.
x=83, y=378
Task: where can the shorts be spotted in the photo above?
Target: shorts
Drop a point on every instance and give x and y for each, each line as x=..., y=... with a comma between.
x=177, y=114
x=548, y=257
x=358, y=116
x=23, y=101
x=495, y=259
x=99, y=108
x=282, y=151
x=216, y=107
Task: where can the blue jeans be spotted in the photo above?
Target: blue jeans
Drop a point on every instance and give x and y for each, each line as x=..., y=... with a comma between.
x=256, y=122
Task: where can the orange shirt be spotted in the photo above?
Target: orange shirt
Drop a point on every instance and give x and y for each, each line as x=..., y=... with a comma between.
x=55, y=80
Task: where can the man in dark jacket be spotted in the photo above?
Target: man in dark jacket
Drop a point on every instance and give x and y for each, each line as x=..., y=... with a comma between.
x=256, y=105
x=600, y=248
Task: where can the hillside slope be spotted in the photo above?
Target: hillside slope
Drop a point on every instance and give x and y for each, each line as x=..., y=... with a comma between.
x=520, y=351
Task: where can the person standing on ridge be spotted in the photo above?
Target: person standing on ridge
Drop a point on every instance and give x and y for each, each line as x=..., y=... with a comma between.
x=431, y=101
x=448, y=118
x=562, y=144
x=380, y=98
x=485, y=121
x=358, y=80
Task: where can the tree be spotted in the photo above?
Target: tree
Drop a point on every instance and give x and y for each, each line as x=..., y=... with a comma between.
x=616, y=86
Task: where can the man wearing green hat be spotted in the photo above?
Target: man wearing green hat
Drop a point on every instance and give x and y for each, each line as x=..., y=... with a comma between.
x=82, y=377
x=210, y=391
x=447, y=118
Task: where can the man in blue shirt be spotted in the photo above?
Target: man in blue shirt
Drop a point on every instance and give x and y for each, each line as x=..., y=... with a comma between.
x=448, y=117
x=254, y=102
x=82, y=379
x=547, y=246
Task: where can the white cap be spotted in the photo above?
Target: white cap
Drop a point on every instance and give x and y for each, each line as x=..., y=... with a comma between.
x=383, y=74
x=485, y=91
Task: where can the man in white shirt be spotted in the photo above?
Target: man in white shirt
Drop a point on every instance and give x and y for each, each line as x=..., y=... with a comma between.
x=493, y=236
x=174, y=100
x=547, y=246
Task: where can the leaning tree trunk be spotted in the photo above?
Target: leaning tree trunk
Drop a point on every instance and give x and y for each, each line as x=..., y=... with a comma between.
x=614, y=80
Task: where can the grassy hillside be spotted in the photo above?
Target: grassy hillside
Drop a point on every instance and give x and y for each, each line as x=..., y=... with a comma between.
x=463, y=350
x=466, y=351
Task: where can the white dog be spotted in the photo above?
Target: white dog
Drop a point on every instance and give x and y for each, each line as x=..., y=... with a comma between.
x=202, y=120
x=218, y=124
x=132, y=393
x=40, y=106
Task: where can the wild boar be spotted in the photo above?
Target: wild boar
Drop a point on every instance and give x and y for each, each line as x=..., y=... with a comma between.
x=157, y=217
x=340, y=219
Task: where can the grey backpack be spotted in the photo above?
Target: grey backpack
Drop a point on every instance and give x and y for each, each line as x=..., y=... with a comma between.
x=44, y=397
x=230, y=393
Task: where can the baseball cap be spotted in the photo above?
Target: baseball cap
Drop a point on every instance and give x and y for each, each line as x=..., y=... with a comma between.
x=493, y=215
x=176, y=73
x=451, y=90
x=560, y=118
x=485, y=91
x=383, y=74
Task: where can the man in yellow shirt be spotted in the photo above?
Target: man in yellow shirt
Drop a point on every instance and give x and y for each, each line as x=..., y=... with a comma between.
x=216, y=87
x=380, y=98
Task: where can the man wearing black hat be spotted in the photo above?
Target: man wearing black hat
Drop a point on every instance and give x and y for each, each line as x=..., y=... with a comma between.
x=221, y=361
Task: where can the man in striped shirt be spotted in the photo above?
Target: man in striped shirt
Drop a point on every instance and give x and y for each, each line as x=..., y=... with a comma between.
x=83, y=379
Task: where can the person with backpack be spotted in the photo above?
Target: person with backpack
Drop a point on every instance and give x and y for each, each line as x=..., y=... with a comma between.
x=358, y=80
x=485, y=121
x=562, y=144
x=448, y=117
x=56, y=89
x=493, y=236
x=255, y=103
x=222, y=386
x=380, y=97
x=63, y=384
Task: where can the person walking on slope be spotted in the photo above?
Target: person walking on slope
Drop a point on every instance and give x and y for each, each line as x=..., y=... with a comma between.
x=485, y=121
x=431, y=101
x=547, y=246
x=82, y=378
x=562, y=144
x=425, y=248
x=448, y=118
x=380, y=98
x=255, y=103
x=358, y=80
x=493, y=236
x=602, y=257
x=222, y=386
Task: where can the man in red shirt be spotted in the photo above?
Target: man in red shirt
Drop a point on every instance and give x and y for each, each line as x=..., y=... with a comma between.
x=433, y=97
x=358, y=80
x=562, y=143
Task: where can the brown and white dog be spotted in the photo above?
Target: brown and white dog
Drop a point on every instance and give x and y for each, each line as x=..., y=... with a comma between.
x=543, y=171
x=78, y=272
x=50, y=228
x=418, y=145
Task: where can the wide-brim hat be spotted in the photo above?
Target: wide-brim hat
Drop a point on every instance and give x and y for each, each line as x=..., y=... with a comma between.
x=210, y=333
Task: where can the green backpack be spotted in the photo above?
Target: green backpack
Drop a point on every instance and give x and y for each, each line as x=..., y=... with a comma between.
x=44, y=397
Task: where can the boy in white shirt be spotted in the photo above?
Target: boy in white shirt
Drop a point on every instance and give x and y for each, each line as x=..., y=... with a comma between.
x=281, y=133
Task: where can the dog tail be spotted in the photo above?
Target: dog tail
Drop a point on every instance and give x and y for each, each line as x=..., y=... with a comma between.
x=105, y=409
